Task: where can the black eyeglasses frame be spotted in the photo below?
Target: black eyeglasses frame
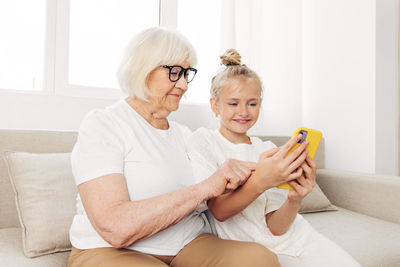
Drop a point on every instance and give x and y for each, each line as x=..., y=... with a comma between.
x=182, y=71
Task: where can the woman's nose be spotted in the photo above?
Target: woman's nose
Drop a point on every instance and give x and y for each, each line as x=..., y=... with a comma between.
x=182, y=83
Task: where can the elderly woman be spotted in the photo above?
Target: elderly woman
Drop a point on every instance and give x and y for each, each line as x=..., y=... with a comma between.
x=138, y=204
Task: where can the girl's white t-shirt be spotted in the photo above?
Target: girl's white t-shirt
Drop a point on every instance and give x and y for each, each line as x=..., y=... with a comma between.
x=154, y=162
x=208, y=151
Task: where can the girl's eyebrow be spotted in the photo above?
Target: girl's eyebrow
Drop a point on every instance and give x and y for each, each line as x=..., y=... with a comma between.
x=237, y=99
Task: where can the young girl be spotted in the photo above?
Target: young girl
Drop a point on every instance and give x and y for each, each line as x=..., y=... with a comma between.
x=251, y=213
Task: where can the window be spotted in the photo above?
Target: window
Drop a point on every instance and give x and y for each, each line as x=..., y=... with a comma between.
x=73, y=47
x=99, y=30
x=22, y=25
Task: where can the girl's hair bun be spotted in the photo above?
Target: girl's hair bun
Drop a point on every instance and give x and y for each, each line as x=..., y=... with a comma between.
x=234, y=70
x=231, y=58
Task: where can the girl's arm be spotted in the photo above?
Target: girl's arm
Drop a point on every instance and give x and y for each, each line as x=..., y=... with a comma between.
x=272, y=169
x=280, y=220
x=229, y=204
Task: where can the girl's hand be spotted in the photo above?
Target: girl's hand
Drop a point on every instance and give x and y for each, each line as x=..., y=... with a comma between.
x=305, y=184
x=275, y=168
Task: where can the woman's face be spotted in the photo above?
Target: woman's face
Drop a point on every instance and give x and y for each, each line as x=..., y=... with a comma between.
x=166, y=95
x=238, y=104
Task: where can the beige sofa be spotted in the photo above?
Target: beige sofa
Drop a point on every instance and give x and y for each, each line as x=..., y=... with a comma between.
x=366, y=224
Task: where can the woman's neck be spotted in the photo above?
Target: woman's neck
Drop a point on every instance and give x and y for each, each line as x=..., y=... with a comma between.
x=151, y=113
x=235, y=138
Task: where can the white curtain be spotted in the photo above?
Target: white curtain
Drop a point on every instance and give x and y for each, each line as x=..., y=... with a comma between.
x=241, y=28
x=268, y=35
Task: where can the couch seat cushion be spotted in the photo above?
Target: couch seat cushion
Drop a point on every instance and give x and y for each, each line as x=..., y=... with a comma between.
x=371, y=241
x=11, y=252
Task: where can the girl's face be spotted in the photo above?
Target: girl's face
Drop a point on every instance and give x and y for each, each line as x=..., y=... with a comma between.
x=238, y=104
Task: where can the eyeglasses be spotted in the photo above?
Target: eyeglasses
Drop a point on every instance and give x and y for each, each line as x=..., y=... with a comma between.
x=175, y=73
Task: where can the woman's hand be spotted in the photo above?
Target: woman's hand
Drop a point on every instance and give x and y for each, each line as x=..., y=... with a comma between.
x=232, y=174
x=305, y=184
x=275, y=168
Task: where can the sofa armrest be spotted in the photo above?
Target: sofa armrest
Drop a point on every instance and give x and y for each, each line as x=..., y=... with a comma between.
x=370, y=194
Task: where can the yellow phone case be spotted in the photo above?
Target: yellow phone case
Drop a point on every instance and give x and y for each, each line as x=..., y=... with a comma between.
x=313, y=137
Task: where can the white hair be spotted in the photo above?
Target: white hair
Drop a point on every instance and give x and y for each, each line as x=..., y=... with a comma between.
x=148, y=50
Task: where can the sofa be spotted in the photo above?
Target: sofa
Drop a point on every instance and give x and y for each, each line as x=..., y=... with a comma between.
x=360, y=212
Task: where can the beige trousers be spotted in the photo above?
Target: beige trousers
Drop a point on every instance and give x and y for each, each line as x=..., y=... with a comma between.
x=204, y=251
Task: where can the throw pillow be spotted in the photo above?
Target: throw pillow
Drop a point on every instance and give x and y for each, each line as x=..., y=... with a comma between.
x=316, y=201
x=45, y=195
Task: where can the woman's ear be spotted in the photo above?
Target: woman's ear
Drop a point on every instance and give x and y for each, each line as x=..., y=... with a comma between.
x=214, y=107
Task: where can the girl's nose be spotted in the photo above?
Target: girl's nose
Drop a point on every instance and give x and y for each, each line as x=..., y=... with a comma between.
x=243, y=110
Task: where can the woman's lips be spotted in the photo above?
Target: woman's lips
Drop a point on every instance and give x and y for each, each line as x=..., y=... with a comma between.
x=176, y=95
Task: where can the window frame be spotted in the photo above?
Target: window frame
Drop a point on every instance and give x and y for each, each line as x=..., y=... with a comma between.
x=56, y=57
x=167, y=11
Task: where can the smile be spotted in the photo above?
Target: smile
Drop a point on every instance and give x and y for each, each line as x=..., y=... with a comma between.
x=242, y=121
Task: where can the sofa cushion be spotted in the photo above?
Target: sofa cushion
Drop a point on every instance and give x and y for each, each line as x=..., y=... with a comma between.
x=8, y=210
x=11, y=252
x=316, y=201
x=371, y=241
x=45, y=195
x=37, y=141
x=376, y=195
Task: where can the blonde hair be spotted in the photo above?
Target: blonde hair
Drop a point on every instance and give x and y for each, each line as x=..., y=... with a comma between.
x=148, y=50
x=231, y=59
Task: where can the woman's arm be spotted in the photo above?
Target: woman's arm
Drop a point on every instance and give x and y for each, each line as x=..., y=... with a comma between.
x=280, y=220
x=122, y=222
x=272, y=170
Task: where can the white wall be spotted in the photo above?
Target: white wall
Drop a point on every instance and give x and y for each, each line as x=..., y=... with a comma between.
x=38, y=111
x=339, y=79
x=350, y=88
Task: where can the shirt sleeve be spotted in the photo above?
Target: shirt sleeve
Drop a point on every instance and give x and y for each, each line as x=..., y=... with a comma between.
x=268, y=145
x=201, y=155
x=275, y=199
x=98, y=150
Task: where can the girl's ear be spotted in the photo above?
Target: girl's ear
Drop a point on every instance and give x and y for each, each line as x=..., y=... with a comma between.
x=214, y=107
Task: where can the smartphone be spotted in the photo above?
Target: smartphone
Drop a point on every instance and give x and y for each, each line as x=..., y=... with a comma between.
x=313, y=137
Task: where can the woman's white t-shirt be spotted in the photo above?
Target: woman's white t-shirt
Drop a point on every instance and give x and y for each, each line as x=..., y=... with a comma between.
x=154, y=162
x=208, y=151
